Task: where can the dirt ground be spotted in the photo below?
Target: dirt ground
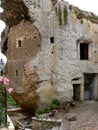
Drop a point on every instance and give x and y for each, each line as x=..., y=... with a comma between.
x=87, y=117
x=86, y=113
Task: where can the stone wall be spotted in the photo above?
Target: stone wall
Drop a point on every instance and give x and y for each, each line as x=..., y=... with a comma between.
x=24, y=44
x=45, y=124
x=49, y=65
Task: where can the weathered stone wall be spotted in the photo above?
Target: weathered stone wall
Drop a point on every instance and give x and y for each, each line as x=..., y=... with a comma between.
x=49, y=63
x=24, y=42
x=62, y=63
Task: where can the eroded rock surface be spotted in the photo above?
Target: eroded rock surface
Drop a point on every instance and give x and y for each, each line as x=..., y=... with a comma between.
x=14, y=11
x=43, y=49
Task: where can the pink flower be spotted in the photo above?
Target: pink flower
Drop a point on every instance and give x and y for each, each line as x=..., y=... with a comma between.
x=10, y=90
x=6, y=81
x=1, y=78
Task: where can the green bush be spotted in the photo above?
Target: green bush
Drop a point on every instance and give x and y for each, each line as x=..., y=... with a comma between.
x=11, y=101
x=16, y=126
x=43, y=111
x=55, y=102
x=54, y=106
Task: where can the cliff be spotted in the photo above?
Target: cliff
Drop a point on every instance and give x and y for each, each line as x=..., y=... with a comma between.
x=43, y=41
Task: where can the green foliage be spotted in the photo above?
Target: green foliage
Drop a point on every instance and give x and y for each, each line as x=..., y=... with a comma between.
x=55, y=102
x=65, y=14
x=2, y=118
x=80, y=15
x=16, y=126
x=81, y=21
x=84, y=14
x=53, y=106
x=3, y=108
x=43, y=111
x=11, y=101
x=60, y=15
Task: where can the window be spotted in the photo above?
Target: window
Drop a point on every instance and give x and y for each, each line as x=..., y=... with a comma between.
x=16, y=72
x=51, y=39
x=84, y=51
x=19, y=43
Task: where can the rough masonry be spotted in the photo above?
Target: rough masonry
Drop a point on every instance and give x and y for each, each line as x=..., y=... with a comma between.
x=52, y=50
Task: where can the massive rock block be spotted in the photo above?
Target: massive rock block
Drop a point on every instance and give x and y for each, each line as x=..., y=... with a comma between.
x=44, y=44
x=14, y=11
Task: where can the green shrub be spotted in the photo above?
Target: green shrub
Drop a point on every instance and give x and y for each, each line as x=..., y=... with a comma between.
x=54, y=106
x=43, y=111
x=16, y=126
x=55, y=102
x=11, y=101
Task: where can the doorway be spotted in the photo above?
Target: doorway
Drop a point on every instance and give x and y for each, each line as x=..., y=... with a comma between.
x=89, y=86
x=76, y=92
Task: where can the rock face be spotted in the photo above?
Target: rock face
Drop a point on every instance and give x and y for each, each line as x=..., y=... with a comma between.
x=14, y=11
x=52, y=52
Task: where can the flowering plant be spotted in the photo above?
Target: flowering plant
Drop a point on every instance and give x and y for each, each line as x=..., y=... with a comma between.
x=4, y=82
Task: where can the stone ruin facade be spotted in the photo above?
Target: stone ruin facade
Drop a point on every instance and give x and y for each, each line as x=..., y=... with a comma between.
x=52, y=51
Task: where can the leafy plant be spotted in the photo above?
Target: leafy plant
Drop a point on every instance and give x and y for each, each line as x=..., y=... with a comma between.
x=65, y=14
x=16, y=126
x=43, y=111
x=4, y=82
x=11, y=101
x=60, y=15
x=54, y=104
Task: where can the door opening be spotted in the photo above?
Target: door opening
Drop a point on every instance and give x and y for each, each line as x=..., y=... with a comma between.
x=89, y=86
x=76, y=92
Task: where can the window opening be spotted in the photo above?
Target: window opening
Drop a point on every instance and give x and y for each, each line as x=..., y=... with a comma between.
x=51, y=39
x=19, y=43
x=16, y=72
x=83, y=51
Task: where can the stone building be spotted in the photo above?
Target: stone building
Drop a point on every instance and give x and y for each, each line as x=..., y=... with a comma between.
x=52, y=50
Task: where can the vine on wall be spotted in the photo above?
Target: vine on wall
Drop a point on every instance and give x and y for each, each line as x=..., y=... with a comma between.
x=65, y=15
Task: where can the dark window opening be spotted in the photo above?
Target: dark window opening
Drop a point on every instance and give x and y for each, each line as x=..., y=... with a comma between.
x=5, y=46
x=76, y=92
x=75, y=79
x=16, y=72
x=19, y=43
x=83, y=51
x=51, y=39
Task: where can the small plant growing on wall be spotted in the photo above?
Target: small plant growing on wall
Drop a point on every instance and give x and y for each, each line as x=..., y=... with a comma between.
x=84, y=14
x=65, y=14
x=60, y=15
x=81, y=21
